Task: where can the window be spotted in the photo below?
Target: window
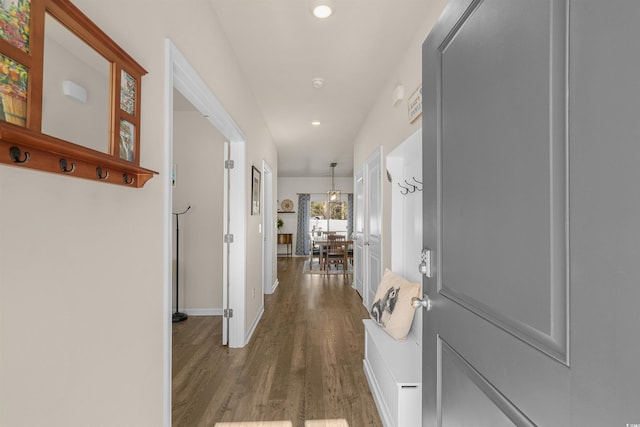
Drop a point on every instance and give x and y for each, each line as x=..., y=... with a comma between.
x=328, y=216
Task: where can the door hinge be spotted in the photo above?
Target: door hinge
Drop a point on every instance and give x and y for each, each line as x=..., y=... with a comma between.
x=229, y=164
x=228, y=238
x=228, y=313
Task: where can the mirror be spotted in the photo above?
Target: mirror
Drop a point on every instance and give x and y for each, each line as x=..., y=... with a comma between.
x=75, y=93
x=69, y=95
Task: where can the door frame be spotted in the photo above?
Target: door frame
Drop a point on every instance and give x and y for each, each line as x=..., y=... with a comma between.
x=268, y=226
x=179, y=74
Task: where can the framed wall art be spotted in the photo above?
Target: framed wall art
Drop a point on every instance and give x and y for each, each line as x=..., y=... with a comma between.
x=255, y=191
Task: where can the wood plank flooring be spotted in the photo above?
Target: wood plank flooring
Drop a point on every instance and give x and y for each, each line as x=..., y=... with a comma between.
x=304, y=360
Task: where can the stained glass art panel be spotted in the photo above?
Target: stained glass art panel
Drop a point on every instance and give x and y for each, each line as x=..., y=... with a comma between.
x=15, y=19
x=127, y=140
x=13, y=91
x=127, y=93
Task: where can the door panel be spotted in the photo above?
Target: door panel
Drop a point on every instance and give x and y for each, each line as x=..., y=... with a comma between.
x=503, y=182
x=358, y=237
x=469, y=399
x=494, y=165
x=373, y=226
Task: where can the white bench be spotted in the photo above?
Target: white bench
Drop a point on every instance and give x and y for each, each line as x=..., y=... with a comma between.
x=394, y=371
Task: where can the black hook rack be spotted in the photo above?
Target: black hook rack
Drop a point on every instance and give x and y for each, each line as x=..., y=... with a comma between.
x=411, y=188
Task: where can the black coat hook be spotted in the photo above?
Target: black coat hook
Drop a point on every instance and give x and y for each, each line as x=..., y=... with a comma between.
x=414, y=187
x=128, y=179
x=404, y=190
x=16, y=154
x=99, y=173
x=63, y=166
x=417, y=182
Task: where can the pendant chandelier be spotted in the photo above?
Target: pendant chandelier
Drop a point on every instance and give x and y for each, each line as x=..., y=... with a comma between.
x=333, y=195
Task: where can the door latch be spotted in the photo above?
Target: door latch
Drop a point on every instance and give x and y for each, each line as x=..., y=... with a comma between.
x=425, y=263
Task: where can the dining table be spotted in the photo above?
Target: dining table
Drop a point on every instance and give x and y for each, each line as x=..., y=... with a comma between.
x=323, y=244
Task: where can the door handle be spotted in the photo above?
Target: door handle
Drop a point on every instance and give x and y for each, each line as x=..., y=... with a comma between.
x=425, y=302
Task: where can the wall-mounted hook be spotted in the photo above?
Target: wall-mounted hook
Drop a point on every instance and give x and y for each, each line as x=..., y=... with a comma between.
x=16, y=154
x=99, y=173
x=414, y=187
x=417, y=182
x=404, y=190
x=63, y=166
x=128, y=179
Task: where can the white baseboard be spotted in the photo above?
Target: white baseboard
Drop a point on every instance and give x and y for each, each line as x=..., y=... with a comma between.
x=254, y=325
x=275, y=285
x=203, y=311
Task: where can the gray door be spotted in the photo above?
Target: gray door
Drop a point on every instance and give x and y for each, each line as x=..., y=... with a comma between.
x=531, y=144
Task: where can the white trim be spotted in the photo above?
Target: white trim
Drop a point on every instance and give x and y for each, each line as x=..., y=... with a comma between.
x=203, y=311
x=254, y=325
x=167, y=295
x=268, y=228
x=275, y=285
x=179, y=74
x=237, y=266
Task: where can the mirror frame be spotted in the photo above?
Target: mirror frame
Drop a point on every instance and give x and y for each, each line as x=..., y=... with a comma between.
x=28, y=147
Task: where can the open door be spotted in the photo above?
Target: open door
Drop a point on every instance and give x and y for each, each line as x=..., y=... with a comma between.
x=530, y=164
x=495, y=345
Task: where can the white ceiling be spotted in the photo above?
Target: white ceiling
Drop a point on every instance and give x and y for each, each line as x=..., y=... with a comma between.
x=281, y=47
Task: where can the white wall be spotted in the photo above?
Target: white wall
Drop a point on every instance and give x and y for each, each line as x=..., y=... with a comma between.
x=388, y=126
x=81, y=262
x=289, y=187
x=198, y=153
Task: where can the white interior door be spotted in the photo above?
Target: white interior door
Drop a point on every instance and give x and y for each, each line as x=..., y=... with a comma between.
x=372, y=226
x=358, y=233
x=496, y=342
x=268, y=226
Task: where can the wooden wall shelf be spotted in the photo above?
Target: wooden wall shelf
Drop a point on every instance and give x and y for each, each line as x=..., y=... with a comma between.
x=48, y=154
x=22, y=143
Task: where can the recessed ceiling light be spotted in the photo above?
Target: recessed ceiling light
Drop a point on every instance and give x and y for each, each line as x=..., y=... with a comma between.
x=316, y=123
x=322, y=8
x=318, y=82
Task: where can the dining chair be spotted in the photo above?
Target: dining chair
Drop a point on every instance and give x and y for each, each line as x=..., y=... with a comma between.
x=314, y=252
x=335, y=252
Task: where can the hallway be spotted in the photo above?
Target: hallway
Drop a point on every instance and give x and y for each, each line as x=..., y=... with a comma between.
x=304, y=360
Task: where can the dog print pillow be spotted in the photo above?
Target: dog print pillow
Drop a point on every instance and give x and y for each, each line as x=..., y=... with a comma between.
x=392, y=308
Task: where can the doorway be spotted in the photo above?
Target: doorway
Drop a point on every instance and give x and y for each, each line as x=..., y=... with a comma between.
x=181, y=76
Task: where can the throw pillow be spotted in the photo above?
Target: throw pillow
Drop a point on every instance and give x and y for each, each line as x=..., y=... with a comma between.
x=392, y=308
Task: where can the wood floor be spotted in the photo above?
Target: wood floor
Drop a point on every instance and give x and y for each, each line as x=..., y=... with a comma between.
x=304, y=360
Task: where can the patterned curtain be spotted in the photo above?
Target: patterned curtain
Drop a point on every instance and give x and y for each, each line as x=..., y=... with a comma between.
x=302, y=237
x=349, y=216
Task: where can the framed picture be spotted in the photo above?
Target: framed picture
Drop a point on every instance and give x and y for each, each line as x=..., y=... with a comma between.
x=255, y=191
